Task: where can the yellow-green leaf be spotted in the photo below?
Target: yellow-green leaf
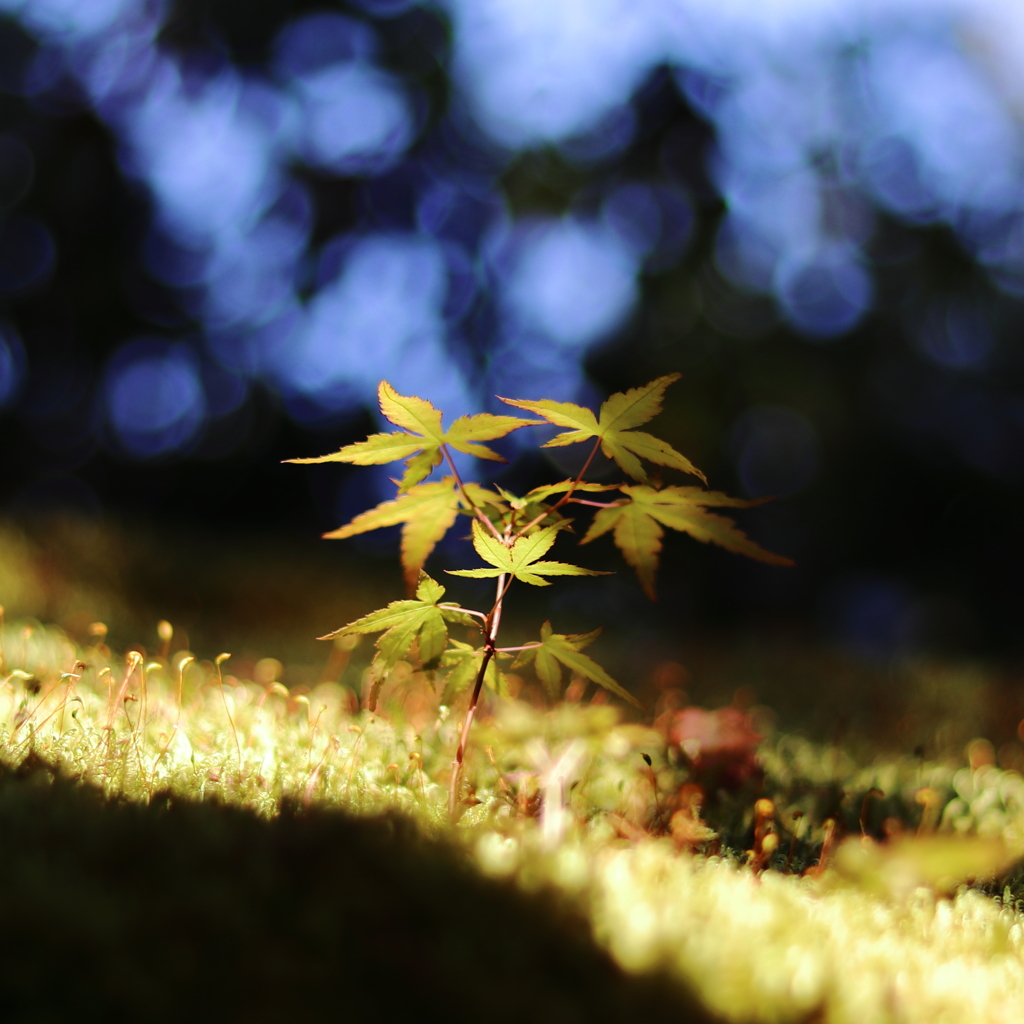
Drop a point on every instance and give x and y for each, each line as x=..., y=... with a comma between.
x=376, y=450
x=637, y=536
x=541, y=493
x=426, y=513
x=409, y=412
x=623, y=447
x=419, y=467
x=421, y=442
x=521, y=558
x=562, y=414
x=627, y=409
x=557, y=649
x=420, y=621
x=463, y=434
x=614, y=427
x=637, y=526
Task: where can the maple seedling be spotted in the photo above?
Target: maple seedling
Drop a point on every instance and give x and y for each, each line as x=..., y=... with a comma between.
x=513, y=534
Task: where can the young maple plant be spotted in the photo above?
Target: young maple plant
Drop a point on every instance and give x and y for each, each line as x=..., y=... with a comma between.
x=512, y=534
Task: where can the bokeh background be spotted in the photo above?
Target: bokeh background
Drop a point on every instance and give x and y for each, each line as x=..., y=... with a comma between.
x=223, y=222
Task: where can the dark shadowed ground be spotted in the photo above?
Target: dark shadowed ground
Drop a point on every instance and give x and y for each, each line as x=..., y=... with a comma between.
x=118, y=912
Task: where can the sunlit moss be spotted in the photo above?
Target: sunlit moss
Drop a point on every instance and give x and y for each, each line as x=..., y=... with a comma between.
x=566, y=798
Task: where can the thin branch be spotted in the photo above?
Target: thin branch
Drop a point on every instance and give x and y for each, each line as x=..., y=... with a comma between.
x=581, y=474
x=597, y=504
x=468, y=611
x=525, y=647
x=458, y=478
x=465, y=494
x=568, y=494
x=491, y=633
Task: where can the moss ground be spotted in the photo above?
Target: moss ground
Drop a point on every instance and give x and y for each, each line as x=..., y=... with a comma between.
x=179, y=839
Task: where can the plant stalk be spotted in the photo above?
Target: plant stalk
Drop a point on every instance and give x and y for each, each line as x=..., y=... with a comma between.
x=568, y=494
x=491, y=627
x=465, y=494
x=597, y=504
x=494, y=619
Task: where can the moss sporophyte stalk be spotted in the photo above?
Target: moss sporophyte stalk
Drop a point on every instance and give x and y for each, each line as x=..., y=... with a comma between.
x=512, y=534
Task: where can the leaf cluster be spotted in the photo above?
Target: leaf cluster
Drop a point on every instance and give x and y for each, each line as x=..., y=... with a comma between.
x=421, y=622
x=520, y=560
x=556, y=650
x=512, y=534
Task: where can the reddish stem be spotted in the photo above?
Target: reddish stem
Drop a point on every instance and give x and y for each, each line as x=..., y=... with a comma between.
x=597, y=504
x=491, y=633
x=568, y=494
x=493, y=620
x=465, y=494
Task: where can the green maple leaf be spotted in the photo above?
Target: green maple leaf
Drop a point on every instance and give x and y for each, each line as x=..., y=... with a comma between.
x=614, y=427
x=539, y=494
x=521, y=559
x=427, y=512
x=638, y=521
x=558, y=649
x=422, y=435
x=463, y=662
x=420, y=620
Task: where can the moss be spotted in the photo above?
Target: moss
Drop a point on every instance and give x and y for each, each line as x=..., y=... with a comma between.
x=249, y=852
